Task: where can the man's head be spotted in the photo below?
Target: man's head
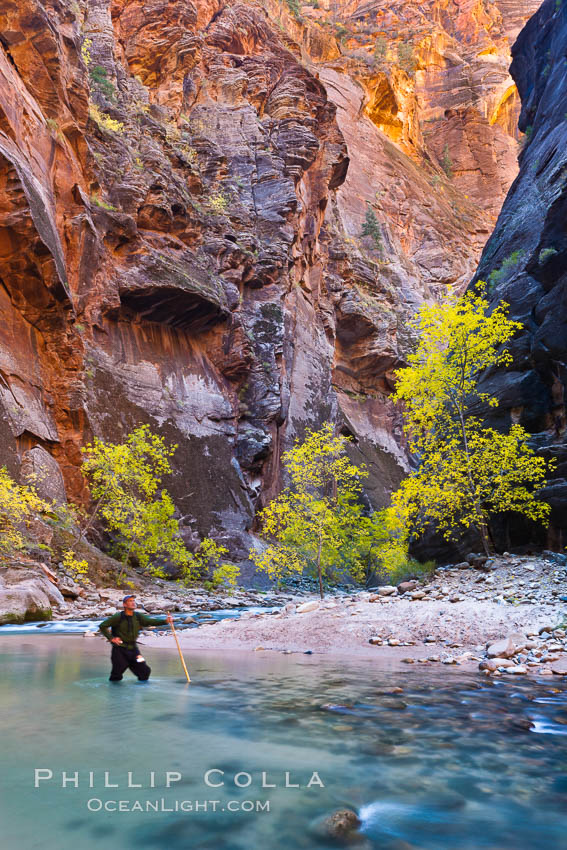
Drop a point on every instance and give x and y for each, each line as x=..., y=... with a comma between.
x=129, y=603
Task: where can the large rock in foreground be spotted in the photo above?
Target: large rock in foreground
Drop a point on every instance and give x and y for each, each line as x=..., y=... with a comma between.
x=26, y=593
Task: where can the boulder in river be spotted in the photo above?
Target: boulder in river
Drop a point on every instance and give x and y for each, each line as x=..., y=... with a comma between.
x=341, y=826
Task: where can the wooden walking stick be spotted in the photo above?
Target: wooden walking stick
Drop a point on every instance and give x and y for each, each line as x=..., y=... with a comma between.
x=179, y=649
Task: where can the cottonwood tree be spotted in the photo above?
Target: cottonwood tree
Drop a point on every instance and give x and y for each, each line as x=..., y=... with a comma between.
x=467, y=471
x=19, y=506
x=207, y=564
x=126, y=486
x=125, y=482
x=315, y=522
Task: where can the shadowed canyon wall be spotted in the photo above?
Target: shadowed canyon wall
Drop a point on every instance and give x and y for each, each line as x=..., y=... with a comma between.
x=525, y=260
x=218, y=219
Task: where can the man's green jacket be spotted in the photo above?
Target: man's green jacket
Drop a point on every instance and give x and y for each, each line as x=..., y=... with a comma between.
x=128, y=627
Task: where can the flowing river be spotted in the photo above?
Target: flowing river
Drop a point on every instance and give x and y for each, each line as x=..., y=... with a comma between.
x=78, y=627
x=453, y=762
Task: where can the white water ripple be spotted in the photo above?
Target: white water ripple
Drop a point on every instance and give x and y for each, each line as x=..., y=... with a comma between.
x=543, y=726
x=388, y=815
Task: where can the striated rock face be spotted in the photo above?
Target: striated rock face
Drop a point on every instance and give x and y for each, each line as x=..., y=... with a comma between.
x=429, y=113
x=525, y=258
x=165, y=170
x=183, y=194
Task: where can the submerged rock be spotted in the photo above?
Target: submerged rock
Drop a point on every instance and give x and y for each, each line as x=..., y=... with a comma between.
x=341, y=826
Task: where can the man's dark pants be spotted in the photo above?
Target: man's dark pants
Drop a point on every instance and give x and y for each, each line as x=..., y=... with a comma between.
x=123, y=659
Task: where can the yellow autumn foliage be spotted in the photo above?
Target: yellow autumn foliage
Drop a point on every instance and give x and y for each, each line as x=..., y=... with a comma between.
x=19, y=503
x=467, y=471
x=315, y=522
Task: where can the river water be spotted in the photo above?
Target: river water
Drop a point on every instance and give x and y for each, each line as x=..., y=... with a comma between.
x=77, y=627
x=453, y=762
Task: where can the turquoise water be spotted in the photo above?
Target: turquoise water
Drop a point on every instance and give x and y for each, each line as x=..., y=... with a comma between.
x=77, y=627
x=453, y=762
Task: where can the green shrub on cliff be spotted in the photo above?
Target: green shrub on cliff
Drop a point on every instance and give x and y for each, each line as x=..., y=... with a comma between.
x=55, y=129
x=104, y=205
x=99, y=79
x=293, y=6
x=406, y=57
x=506, y=268
x=527, y=137
x=546, y=254
x=381, y=49
x=447, y=162
x=372, y=228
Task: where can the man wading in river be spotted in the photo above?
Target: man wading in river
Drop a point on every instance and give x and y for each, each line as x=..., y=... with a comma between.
x=122, y=630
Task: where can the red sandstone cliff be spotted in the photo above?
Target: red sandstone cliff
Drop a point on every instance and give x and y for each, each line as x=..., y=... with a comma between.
x=181, y=230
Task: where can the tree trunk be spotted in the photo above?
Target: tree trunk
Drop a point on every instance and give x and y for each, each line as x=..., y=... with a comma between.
x=491, y=540
x=481, y=526
x=319, y=567
x=484, y=539
x=124, y=561
x=83, y=531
